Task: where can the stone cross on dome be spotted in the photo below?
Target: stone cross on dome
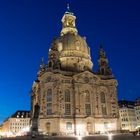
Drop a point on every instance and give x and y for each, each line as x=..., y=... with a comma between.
x=68, y=10
x=68, y=7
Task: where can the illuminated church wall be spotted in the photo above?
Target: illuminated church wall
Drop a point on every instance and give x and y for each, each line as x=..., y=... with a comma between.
x=73, y=99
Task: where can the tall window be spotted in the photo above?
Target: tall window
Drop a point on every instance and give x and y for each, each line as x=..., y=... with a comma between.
x=67, y=109
x=67, y=96
x=49, y=95
x=49, y=108
x=87, y=103
x=88, y=109
x=49, y=102
x=87, y=97
x=67, y=103
x=102, y=97
x=104, y=110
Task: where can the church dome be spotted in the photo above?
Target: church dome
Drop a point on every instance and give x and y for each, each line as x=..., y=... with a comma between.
x=74, y=42
x=74, y=53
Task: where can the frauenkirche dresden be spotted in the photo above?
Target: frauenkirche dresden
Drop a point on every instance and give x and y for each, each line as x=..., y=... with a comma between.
x=68, y=97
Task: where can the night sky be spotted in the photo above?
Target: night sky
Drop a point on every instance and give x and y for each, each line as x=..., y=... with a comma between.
x=27, y=28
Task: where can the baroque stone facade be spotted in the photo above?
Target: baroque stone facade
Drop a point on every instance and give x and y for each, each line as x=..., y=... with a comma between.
x=73, y=99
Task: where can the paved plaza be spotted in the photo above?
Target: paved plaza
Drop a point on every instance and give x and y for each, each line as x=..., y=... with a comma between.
x=103, y=137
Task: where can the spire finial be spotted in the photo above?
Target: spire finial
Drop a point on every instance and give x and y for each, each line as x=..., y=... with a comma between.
x=68, y=11
x=68, y=7
x=42, y=59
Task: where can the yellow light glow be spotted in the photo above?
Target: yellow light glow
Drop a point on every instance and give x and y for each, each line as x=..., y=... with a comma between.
x=79, y=137
x=99, y=127
x=80, y=129
x=109, y=136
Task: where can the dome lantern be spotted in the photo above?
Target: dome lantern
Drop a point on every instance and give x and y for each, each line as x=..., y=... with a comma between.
x=68, y=22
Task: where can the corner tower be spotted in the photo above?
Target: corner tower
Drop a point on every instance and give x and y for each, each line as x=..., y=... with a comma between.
x=104, y=69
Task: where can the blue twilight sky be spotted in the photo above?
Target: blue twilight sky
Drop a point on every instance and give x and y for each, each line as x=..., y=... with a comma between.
x=28, y=26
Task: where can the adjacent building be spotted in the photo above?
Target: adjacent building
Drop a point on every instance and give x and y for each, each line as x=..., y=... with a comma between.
x=0, y=130
x=17, y=124
x=137, y=111
x=69, y=96
x=127, y=115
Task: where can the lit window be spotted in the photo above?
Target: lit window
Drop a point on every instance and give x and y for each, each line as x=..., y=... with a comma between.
x=69, y=126
x=106, y=125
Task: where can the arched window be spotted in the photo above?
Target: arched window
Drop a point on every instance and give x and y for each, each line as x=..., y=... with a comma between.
x=49, y=108
x=49, y=95
x=67, y=96
x=49, y=102
x=87, y=103
x=69, y=126
x=102, y=97
x=104, y=112
x=50, y=64
x=88, y=109
x=87, y=98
